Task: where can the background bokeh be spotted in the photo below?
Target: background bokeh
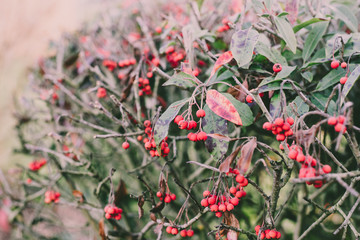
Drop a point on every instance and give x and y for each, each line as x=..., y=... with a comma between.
x=26, y=27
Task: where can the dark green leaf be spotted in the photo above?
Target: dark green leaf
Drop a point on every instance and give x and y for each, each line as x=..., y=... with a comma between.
x=242, y=45
x=354, y=76
x=345, y=14
x=243, y=110
x=314, y=37
x=275, y=108
x=307, y=23
x=308, y=76
x=286, y=32
x=275, y=85
x=162, y=125
x=285, y=72
x=271, y=54
x=212, y=123
x=320, y=100
x=332, y=78
x=182, y=80
x=299, y=106
x=283, y=14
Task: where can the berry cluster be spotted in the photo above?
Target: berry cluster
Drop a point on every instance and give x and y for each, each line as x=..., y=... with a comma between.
x=37, y=164
x=335, y=64
x=168, y=197
x=101, y=92
x=149, y=142
x=191, y=124
x=52, y=196
x=183, y=233
x=109, y=64
x=112, y=211
x=338, y=122
x=280, y=128
x=127, y=62
x=223, y=203
x=225, y=27
x=144, y=87
x=268, y=233
x=173, y=57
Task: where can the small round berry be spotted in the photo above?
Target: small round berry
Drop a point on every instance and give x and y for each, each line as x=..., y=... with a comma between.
x=125, y=145
x=211, y=200
x=173, y=196
x=214, y=208
x=339, y=127
x=159, y=194
x=272, y=234
x=167, y=199
x=183, y=233
x=190, y=233
x=286, y=127
x=204, y=203
x=139, y=138
x=101, y=92
x=332, y=121
x=278, y=235
x=293, y=154
x=183, y=124
x=147, y=123
x=277, y=67
x=257, y=228
x=230, y=207
x=249, y=99
x=280, y=137
x=267, y=126
x=279, y=122
x=202, y=136
x=178, y=118
x=234, y=201
x=343, y=65
x=335, y=64
x=244, y=183
x=218, y=214
x=174, y=231
x=343, y=80
x=168, y=229
x=290, y=121
x=158, y=30
x=149, y=75
x=200, y=113
x=239, y=178
x=233, y=190
x=326, y=169
x=300, y=157
x=222, y=207
x=341, y=119
x=206, y=193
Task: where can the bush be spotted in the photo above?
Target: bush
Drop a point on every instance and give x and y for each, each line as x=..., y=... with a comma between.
x=199, y=118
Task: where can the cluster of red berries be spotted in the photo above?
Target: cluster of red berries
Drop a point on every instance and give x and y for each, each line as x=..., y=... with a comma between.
x=225, y=26
x=268, y=234
x=101, y=92
x=335, y=64
x=168, y=197
x=109, y=64
x=183, y=233
x=280, y=128
x=223, y=203
x=144, y=87
x=149, y=142
x=52, y=196
x=188, y=125
x=127, y=62
x=173, y=57
x=37, y=164
x=338, y=123
x=112, y=211
x=277, y=67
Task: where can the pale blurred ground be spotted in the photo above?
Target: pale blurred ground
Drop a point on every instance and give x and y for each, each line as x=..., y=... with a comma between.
x=26, y=26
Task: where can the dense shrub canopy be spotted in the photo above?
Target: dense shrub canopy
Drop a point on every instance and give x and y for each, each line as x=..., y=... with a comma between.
x=218, y=119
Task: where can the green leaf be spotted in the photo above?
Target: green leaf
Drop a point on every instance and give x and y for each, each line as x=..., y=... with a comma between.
x=212, y=123
x=314, y=38
x=275, y=108
x=329, y=48
x=242, y=45
x=345, y=14
x=308, y=76
x=162, y=124
x=320, y=100
x=307, y=23
x=332, y=78
x=299, y=106
x=286, y=32
x=275, y=85
x=243, y=110
x=285, y=72
x=182, y=80
x=354, y=76
x=283, y=14
x=272, y=54
x=220, y=77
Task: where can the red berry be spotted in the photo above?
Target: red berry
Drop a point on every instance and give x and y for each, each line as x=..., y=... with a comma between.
x=158, y=30
x=125, y=145
x=149, y=75
x=183, y=233
x=257, y=228
x=174, y=231
x=167, y=199
x=200, y=113
x=300, y=157
x=343, y=65
x=277, y=67
x=244, y=183
x=267, y=126
x=168, y=229
x=326, y=169
x=190, y=233
x=218, y=214
x=332, y=121
x=272, y=234
x=335, y=64
x=192, y=124
x=279, y=122
x=230, y=207
x=178, y=118
x=249, y=99
x=289, y=133
x=239, y=178
x=206, y=193
x=214, y=208
x=202, y=136
x=233, y=190
x=280, y=137
x=204, y=202
x=222, y=207
x=286, y=127
x=212, y=200
x=341, y=119
x=159, y=194
x=339, y=127
x=293, y=154
x=147, y=123
x=173, y=196
x=290, y=120
x=234, y=201
x=278, y=235
x=343, y=80
x=101, y=92
x=183, y=124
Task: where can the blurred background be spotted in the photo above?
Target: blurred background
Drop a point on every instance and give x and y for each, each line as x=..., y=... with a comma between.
x=26, y=27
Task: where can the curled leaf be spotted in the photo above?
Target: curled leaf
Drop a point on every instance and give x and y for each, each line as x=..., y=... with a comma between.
x=223, y=59
x=141, y=202
x=222, y=107
x=247, y=152
x=225, y=165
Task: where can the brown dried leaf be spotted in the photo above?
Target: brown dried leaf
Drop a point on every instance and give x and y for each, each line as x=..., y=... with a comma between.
x=231, y=220
x=162, y=185
x=158, y=207
x=79, y=195
x=121, y=193
x=247, y=152
x=102, y=230
x=225, y=165
x=141, y=202
x=153, y=217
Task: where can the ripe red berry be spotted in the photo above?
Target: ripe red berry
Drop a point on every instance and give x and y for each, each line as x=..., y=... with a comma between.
x=233, y=190
x=286, y=127
x=267, y=126
x=341, y=119
x=257, y=228
x=280, y=137
x=300, y=157
x=218, y=214
x=192, y=124
x=174, y=231
x=168, y=229
x=158, y=30
x=290, y=120
x=326, y=169
x=183, y=233
x=244, y=183
x=202, y=136
x=343, y=65
x=249, y=99
x=343, y=80
x=239, y=178
x=230, y=207
x=293, y=154
x=279, y=122
x=332, y=121
x=339, y=127
x=159, y=194
x=200, y=113
x=214, y=208
x=206, y=193
x=222, y=207
x=211, y=200
x=173, y=196
x=234, y=201
x=167, y=199
x=178, y=118
x=125, y=145
x=147, y=123
x=204, y=203
x=277, y=67
x=101, y=92
x=335, y=64
x=272, y=234
x=183, y=124
x=149, y=74
x=190, y=233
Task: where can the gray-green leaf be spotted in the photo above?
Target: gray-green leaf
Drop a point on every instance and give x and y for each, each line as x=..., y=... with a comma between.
x=242, y=45
x=286, y=32
x=314, y=37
